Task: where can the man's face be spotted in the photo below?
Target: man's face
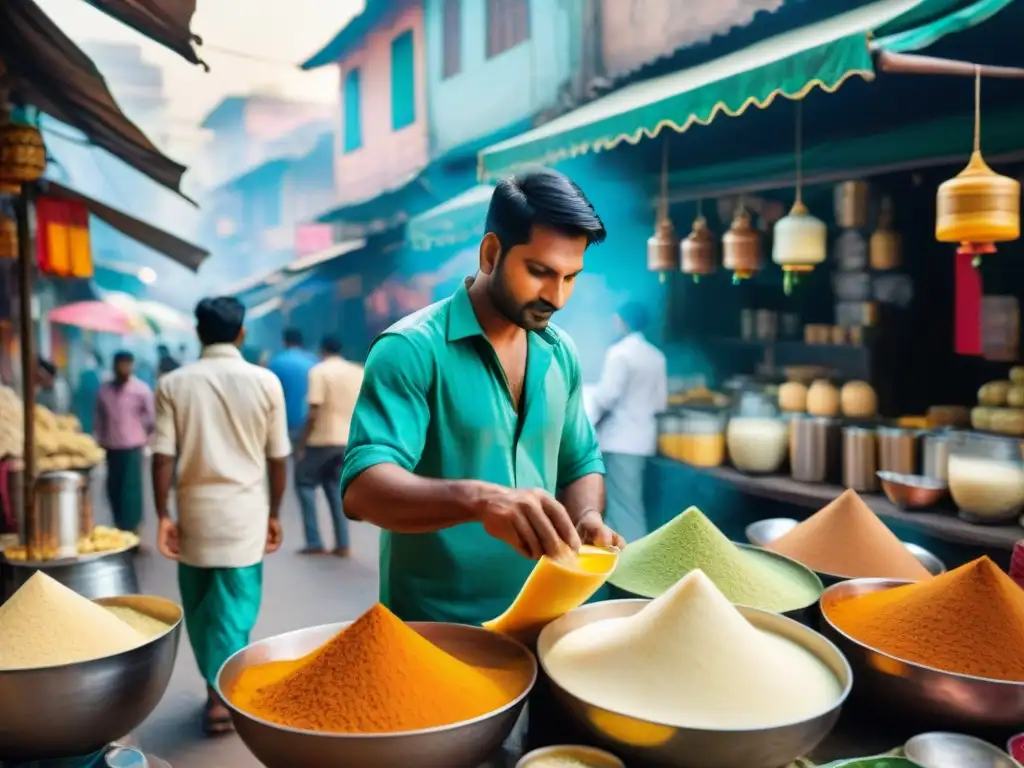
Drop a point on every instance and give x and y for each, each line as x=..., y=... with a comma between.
x=44, y=379
x=123, y=369
x=532, y=281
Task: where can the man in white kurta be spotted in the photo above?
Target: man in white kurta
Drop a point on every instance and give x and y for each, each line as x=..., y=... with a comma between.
x=223, y=421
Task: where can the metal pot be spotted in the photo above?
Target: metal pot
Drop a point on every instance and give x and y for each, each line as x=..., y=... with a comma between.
x=897, y=450
x=860, y=459
x=52, y=529
x=815, y=445
x=935, y=456
x=109, y=574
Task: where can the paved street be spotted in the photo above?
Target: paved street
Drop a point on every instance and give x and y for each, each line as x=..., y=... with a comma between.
x=298, y=592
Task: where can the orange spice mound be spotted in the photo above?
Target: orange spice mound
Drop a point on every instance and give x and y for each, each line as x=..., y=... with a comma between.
x=846, y=538
x=969, y=621
x=375, y=676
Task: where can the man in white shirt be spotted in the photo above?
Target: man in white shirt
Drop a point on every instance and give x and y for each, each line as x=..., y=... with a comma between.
x=623, y=406
x=223, y=421
x=333, y=387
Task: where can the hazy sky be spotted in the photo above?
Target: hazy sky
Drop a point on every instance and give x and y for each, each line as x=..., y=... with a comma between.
x=281, y=32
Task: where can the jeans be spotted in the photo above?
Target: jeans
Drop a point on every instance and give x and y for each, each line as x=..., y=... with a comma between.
x=624, y=488
x=321, y=467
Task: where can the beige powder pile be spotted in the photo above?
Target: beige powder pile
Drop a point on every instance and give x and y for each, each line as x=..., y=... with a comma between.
x=46, y=624
x=144, y=623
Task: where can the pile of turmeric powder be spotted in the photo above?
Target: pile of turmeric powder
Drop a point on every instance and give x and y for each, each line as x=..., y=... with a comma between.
x=375, y=676
x=969, y=621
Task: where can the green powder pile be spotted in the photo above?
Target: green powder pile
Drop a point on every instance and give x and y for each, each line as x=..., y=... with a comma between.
x=649, y=566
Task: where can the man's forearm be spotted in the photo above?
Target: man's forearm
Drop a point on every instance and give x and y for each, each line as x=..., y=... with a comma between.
x=163, y=476
x=397, y=500
x=278, y=471
x=583, y=495
x=307, y=428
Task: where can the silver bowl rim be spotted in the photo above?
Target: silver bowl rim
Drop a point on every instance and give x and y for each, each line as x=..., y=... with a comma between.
x=756, y=551
x=924, y=483
x=553, y=750
x=883, y=584
x=927, y=735
x=42, y=565
x=839, y=576
x=114, y=600
x=743, y=609
x=340, y=625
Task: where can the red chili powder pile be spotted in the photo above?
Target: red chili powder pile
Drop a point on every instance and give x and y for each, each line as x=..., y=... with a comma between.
x=969, y=621
x=847, y=539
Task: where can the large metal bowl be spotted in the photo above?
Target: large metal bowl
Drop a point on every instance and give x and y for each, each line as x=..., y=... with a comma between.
x=75, y=709
x=764, y=532
x=462, y=745
x=914, y=691
x=674, y=747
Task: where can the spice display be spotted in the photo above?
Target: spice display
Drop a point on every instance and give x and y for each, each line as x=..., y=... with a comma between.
x=553, y=589
x=653, y=564
x=690, y=659
x=142, y=622
x=969, y=621
x=845, y=538
x=60, y=442
x=375, y=676
x=45, y=624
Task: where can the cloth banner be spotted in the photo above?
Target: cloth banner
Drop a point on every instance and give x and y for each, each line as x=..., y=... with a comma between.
x=967, y=305
x=63, y=247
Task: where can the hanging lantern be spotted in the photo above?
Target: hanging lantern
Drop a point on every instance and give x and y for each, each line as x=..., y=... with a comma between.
x=741, y=247
x=851, y=198
x=662, y=246
x=801, y=240
x=698, y=250
x=884, y=247
x=22, y=155
x=978, y=207
x=8, y=237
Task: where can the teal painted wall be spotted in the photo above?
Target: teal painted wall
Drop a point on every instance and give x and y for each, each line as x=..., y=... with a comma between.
x=489, y=94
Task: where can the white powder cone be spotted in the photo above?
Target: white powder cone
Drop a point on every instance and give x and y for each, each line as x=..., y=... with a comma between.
x=689, y=658
x=44, y=624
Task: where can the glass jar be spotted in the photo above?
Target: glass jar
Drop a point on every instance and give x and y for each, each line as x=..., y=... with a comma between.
x=986, y=476
x=703, y=437
x=757, y=435
x=670, y=433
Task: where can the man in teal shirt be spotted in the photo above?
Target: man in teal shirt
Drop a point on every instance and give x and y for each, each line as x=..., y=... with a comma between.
x=469, y=444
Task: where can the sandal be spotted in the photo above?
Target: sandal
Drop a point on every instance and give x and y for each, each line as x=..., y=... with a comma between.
x=312, y=551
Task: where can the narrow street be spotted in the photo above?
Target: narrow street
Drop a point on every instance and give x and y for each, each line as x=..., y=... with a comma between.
x=298, y=592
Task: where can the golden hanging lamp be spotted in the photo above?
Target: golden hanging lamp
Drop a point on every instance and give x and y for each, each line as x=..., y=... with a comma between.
x=978, y=207
x=801, y=240
x=851, y=200
x=22, y=154
x=741, y=246
x=884, y=246
x=697, y=250
x=8, y=237
x=662, y=247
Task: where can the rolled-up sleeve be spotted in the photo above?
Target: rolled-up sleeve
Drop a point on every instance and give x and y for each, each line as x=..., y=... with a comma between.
x=165, y=433
x=578, y=451
x=389, y=424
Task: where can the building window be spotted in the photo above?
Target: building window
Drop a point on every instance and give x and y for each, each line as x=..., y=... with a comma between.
x=353, y=126
x=508, y=24
x=451, y=22
x=403, y=81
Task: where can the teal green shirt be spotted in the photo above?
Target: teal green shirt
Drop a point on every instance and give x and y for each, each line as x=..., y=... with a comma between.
x=435, y=401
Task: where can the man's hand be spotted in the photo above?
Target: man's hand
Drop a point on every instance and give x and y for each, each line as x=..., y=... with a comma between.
x=592, y=530
x=275, y=535
x=168, y=542
x=532, y=521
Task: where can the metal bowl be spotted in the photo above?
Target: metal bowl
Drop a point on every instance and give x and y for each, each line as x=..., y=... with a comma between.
x=912, y=491
x=675, y=747
x=763, y=532
x=76, y=709
x=915, y=691
x=954, y=750
x=102, y=574
x=461, y=745
x=589, y=756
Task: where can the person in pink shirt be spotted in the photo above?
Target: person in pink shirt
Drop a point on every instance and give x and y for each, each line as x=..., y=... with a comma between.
x=125, y=420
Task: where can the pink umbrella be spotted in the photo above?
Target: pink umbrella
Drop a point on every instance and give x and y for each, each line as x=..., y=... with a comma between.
x=99, y=316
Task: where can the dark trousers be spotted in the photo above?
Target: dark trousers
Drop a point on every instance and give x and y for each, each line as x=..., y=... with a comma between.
x=320, y=467
x=124, y=487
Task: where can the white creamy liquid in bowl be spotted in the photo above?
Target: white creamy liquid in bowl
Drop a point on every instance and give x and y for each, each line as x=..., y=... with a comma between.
x=757, y=445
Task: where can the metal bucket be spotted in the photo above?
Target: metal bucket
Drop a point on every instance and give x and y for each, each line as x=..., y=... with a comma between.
x=52, y=529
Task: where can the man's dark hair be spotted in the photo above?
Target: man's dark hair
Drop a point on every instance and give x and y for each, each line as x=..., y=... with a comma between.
x=543, y=198
x=123, y=356
x=47, y=366
x=331, y=345
x=162, y=350
x=292, y=337
x=219, y=320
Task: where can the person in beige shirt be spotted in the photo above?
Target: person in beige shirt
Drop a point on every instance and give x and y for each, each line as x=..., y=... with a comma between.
x=320, y=449
x=221, y=422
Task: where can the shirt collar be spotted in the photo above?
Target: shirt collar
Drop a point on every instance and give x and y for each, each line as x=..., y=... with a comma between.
x=221, y=352
x=462, y=322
